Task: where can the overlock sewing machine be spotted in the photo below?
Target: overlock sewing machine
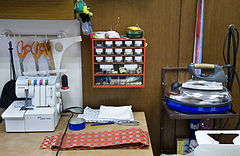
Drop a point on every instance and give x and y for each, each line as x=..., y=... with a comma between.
x=40, y=111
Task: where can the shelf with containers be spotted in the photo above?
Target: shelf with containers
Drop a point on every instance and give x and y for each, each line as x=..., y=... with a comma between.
x=118, y=63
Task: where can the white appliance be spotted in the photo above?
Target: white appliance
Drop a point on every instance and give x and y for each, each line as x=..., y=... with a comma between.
x=208, y=146
x=41, y=112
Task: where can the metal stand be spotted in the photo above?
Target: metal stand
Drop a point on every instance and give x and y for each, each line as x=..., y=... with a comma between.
x=175, y=115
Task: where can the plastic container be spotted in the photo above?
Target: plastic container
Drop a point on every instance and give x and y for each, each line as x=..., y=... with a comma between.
x=85, y=28
x=128, y=43
x=99, y=59
x=99, y=51
x=138, y=59
x=108, y=59
x=138, y=43
x=128, y=59
x=118, y=59
x=118, y=51
x=128, y=52
x=108, y=51
x=118, y=43
x=108, y=43
x=138, y=51
x=134, y=34
x=99, y=43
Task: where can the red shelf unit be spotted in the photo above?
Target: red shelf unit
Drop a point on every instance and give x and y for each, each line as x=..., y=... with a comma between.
x=101, y=79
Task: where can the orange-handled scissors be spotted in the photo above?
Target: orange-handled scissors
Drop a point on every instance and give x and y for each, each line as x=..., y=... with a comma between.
x=47, y=53
x=35, y=54
x=22, y=54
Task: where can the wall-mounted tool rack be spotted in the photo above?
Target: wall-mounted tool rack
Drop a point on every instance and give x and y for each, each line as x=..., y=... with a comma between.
x=118, y=63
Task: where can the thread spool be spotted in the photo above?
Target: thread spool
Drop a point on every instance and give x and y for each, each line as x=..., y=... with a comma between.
x=76, y=124
x=64, y=82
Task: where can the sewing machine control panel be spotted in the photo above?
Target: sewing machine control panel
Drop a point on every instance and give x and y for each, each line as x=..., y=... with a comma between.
x=118, y=63
x=43, y=91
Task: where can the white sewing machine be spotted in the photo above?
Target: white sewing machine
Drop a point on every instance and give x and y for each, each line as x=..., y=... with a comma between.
x=41, y=109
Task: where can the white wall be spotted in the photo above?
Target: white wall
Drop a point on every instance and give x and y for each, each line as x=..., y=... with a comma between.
x=71, y=59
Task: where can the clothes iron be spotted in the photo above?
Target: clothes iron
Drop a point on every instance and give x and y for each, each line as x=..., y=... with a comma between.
x=203, y=94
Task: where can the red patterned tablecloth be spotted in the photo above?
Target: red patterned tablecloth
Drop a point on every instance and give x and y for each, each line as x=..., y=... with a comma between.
x=126, y=138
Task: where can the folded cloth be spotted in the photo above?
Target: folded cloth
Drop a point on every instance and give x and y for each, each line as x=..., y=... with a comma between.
x=91, y=115
x=118, y=113
x=112, y=34
x=126, y=138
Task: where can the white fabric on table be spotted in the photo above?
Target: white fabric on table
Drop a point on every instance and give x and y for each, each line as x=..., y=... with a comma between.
x=91, y=115
x=118, y=113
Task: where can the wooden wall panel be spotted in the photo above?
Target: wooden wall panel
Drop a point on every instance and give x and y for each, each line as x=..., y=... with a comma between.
x=37, y=9
x=218, y=16
x=160, y=22
x=185, y=55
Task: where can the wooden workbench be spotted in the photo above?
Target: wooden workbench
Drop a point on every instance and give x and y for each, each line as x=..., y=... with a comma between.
x=13, y=144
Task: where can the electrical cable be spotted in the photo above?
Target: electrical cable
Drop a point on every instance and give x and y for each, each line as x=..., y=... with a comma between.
x=238, y=81
x=231, y=39
x=235, y=72
x=59, y=147
x=231, y=73
x=67, y=110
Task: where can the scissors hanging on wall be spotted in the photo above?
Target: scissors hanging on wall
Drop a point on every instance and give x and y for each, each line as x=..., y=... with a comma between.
x=35, y=54
x=24, y=50
x=47, y=53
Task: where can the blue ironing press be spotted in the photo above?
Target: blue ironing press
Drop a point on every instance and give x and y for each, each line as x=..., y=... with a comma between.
x=204, y=94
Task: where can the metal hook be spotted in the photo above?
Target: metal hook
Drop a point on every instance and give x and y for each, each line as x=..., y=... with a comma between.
x=61, y=34
x=6, y=32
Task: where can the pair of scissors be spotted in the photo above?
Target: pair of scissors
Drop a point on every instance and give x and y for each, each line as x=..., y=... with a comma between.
x=43, y=49
x=46, y=53
x=36, y=53
x=22, y=53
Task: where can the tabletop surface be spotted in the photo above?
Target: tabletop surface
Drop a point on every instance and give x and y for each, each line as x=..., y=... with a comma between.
x=13, y=144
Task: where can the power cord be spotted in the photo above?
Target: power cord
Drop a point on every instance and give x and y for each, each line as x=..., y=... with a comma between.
x=231, y=40
x=59, y=147
x=231, y=73
x=67, y=110
x=234, y=72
